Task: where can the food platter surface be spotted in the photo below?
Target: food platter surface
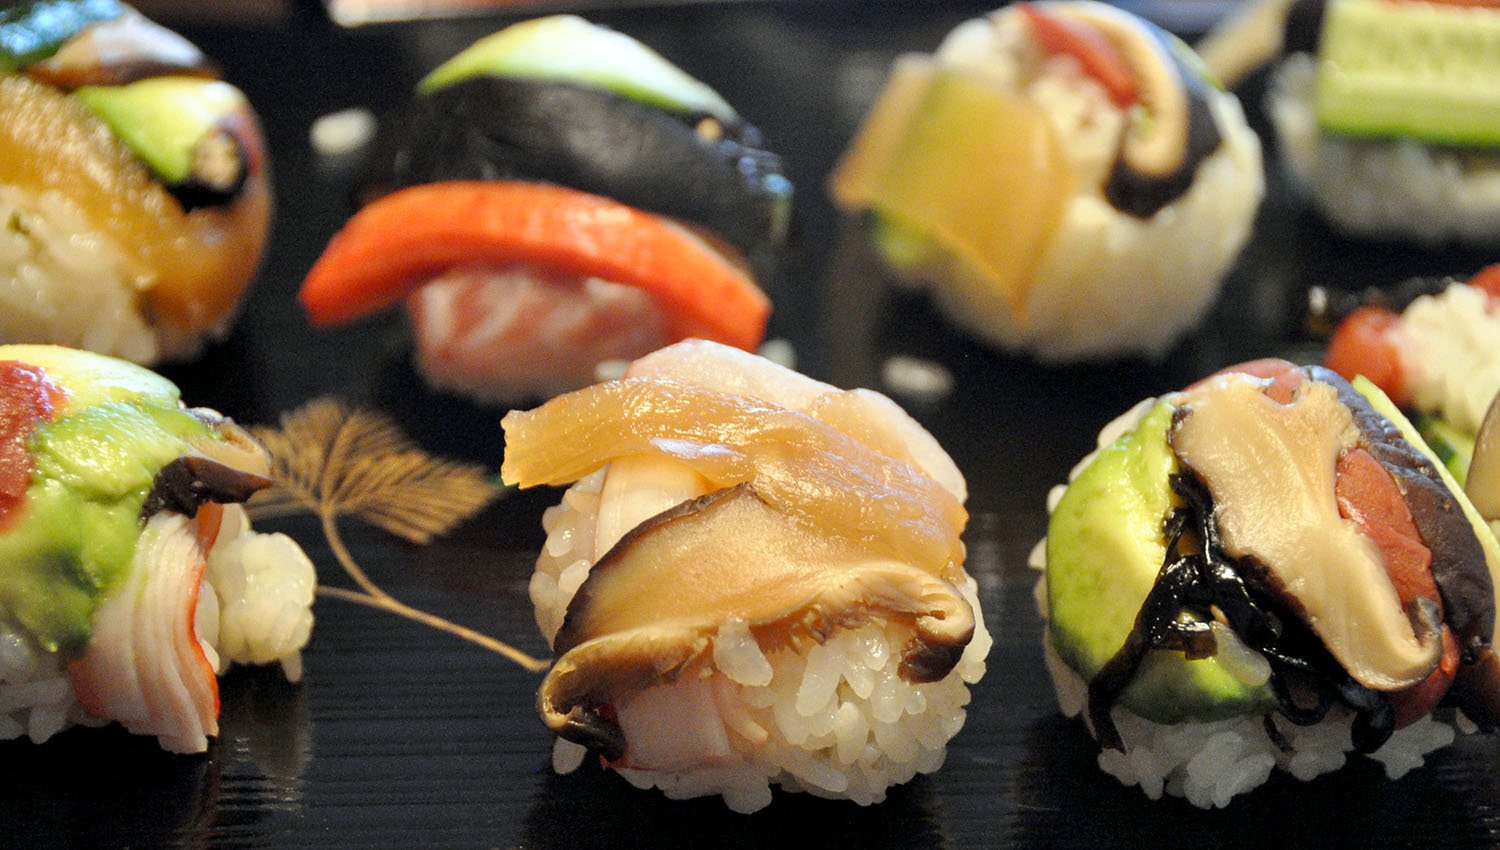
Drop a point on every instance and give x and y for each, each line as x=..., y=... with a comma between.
x=403, y=735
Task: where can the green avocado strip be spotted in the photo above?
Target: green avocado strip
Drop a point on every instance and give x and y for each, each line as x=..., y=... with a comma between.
x=32, y=32
x=81, y=516
x=1105, y=546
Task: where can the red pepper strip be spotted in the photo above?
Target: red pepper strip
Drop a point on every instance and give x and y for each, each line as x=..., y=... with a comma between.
x=1364, y=344
x=398, y=243
x=1099, y=57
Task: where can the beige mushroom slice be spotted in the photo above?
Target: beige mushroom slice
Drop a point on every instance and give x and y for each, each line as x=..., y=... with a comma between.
x=1270, y=468
x=1482, y=485
x=650, y=608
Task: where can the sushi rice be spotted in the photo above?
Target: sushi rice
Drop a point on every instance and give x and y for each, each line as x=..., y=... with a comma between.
x=1452, y=354
x=1382, y=188
x=254, y=607
x=64, y=283
x=1210, y=763
x=834, y=721
x=1167, y=267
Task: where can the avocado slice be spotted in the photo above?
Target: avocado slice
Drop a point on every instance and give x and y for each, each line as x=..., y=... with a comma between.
x=1105, y=546
x=166, y=120
x=569, y=49
x=31, y=32
x=95, y=463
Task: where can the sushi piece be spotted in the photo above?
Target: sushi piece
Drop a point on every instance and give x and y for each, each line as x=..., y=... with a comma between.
x=134, y=193
x=1064, y=175
x=557, y=196
x=755, y=579
x=1267, y=570
x=1384, y=112
x=1439, y=359
x=129, y=574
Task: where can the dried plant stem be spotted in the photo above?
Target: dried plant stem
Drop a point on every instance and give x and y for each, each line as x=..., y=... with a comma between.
x=374, y=597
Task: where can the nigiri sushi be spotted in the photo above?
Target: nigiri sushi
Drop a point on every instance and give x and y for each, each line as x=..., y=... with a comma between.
x=1267, y=570
x=129, y=574
x=1064, y=175
x=1438, y=358
x=755, y=579
x=1385, y=113
x=558, y=195
x=134, y=194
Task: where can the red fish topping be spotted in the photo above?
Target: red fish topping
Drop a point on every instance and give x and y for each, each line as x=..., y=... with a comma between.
x=27, y=398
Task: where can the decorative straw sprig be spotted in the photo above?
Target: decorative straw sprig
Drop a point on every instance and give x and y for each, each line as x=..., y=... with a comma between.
x=332, y=461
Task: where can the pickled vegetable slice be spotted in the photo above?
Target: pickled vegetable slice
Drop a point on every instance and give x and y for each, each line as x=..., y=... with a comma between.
x=797, y=463
x=974, y=169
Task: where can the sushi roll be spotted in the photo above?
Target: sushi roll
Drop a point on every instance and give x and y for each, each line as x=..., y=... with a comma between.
x=755, y=579
x=129, y=574
x=557, y=196
x=134, y=195
x=1065, y=176
x=1439, y=358
x=1385, y=113
x=1267, y=570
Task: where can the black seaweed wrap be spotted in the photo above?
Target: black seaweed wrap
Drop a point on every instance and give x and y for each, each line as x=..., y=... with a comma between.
x=596, y=141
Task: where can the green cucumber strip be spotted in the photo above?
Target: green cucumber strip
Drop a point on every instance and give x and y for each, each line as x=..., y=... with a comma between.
x=1419, y=70
x=568, y=49
x=31, y=32
x=161, y=118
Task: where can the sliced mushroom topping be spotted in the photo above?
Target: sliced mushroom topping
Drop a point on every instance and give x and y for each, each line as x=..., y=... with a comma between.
x=1160, y=149
x=1483, y=482
x=234, y=447
x=183, y=485
x=649, y=609
x=1270, y=469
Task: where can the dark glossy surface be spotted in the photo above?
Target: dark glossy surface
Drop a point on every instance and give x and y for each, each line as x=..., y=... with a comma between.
x=404, y=737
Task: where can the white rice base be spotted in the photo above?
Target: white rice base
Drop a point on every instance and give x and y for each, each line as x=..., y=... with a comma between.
x=1210, y=763
x=1109, y=284
x=62, y=283
x=834, y=721
x=1395, y=188
x=254, y=607
x=1451, y=354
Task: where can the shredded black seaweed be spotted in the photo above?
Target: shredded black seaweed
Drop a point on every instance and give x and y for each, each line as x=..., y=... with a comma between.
x=1199, y=579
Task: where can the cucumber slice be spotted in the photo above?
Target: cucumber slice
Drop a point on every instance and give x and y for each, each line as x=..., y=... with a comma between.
x=1421, y=70
x=160, y=119
x=1452, y=446
x=32, y=32
x=566, y=48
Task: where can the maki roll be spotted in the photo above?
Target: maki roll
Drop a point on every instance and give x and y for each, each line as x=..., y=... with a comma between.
x=1065, y=175
x=1267, y=570
x=557, y=196
x=134, y=197
x=1385, y=113
x=1438, y=358
x=755, y=579
x=129, y=574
